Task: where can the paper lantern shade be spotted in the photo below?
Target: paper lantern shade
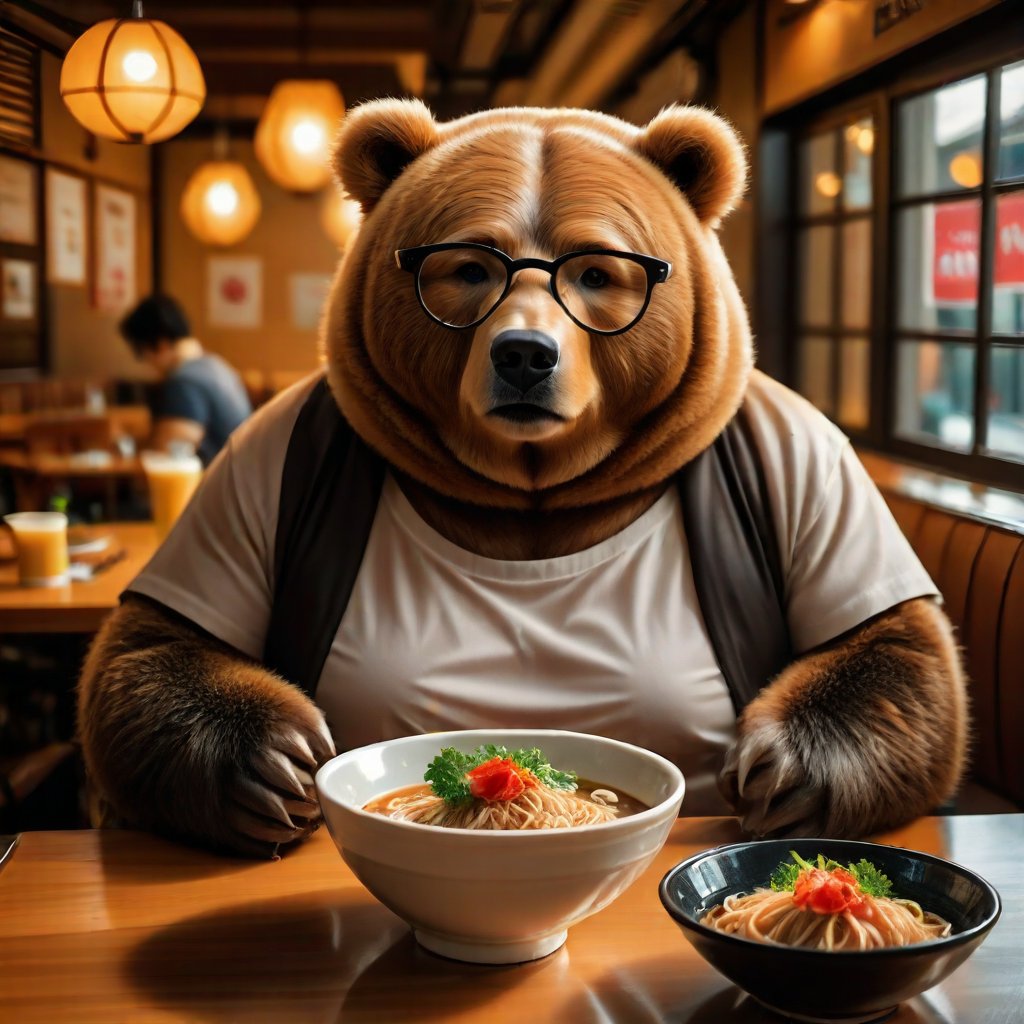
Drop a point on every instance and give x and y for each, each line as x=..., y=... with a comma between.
x=132, y=80
x=220, y=204
x=340, y=217
x=295, y=133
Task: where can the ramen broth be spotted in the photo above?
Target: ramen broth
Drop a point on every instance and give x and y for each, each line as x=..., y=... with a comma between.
x=626, y=806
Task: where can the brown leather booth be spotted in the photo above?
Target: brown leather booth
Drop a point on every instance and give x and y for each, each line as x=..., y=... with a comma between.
x=979, y=569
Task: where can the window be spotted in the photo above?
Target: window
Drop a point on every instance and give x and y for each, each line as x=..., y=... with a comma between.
x=833, y=238
x=908, y=260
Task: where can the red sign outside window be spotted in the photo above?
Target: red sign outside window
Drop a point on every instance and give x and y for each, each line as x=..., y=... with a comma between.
x=957, y=227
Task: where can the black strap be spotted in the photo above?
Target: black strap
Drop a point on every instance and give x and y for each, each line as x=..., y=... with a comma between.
x=330, y=487
x=734, y=554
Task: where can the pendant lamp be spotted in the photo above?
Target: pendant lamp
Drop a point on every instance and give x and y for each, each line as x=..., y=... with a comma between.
x=340, y=217
x=220, y=204
x=295, y=133
x=132, y=80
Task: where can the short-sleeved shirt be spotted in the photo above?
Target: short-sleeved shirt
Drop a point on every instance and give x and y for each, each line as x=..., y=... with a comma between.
x=207, y=391
x=609, y=640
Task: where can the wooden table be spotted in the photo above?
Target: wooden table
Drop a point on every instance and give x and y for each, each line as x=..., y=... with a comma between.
x=37, y=476
x=78, y=607
x=110, y=927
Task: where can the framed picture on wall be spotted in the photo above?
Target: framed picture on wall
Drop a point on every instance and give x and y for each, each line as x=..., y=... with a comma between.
x=67, y=247
x=19, y=290
x=234, y=296
x=115, y=249
x=17, y=201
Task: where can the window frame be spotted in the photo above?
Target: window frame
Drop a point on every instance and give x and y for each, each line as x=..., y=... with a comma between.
x=877, y=94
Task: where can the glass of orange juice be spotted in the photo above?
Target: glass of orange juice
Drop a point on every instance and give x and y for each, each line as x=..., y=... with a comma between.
x=172, y=481
x=42, y=542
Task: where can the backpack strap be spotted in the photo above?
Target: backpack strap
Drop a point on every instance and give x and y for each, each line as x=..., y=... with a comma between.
x=734, y=553
x=330, y=487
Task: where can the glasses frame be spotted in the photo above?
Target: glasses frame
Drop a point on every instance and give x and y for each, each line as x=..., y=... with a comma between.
x=412, y=260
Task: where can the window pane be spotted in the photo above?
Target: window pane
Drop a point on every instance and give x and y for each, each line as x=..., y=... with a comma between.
x=856, y=299
x=1008, y=266
x=858, y=145
x=854, y=371
x=1011, y=122
x=816, y=372
x=815, y=281
x=819, y=182
x=938, y=265
x=939, y=140
x=935, y=393
x=1006, y=402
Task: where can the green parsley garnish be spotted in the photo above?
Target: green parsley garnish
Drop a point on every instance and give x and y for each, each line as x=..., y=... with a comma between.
x=447, y=772
x=869, y=878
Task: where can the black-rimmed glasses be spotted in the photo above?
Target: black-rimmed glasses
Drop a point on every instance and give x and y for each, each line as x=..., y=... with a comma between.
x=460, y=284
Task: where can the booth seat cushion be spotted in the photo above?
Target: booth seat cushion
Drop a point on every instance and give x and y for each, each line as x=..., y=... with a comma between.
x=979, y=569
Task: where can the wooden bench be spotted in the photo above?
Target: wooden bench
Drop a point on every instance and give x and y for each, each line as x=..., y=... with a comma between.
x=978, y=566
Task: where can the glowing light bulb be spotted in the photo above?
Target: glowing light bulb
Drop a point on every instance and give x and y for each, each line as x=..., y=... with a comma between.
x=965, y=169
x=828, y=184
x=222, y=198
x=308, y=136
x=139, y=65
x=866, y=141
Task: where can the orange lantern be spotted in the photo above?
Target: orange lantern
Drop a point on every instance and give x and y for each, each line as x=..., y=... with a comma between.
x=340, y=217
x=220, y=204
x=295, y=132
x=132, y=80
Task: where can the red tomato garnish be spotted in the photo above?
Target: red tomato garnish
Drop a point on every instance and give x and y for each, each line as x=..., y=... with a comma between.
x=498, y=780
x=830, y=892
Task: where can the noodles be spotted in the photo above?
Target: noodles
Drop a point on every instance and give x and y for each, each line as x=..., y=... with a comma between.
x=494, y=788
x=828, y=907
x=767, y=916
x=539, y=807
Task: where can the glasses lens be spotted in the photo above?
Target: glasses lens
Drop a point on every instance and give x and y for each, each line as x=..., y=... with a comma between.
x=461, y=286
x=604, y=293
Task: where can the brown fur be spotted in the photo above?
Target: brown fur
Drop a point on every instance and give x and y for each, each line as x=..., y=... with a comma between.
x=185, y=736
x=858, y=737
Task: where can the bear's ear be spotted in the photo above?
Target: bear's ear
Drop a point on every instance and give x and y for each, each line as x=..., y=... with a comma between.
x=377, y=141
x=701, y=154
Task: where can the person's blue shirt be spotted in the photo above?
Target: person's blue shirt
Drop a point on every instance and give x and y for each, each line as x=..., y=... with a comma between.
x=207, y=391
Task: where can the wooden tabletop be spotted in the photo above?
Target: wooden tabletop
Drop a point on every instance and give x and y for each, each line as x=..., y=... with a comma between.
x=77, y=607
x=120, y=926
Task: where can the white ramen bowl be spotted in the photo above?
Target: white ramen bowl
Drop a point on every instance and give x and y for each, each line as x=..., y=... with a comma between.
x=497, y=897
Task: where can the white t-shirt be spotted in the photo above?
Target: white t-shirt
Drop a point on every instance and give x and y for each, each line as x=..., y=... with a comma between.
x=609, y=640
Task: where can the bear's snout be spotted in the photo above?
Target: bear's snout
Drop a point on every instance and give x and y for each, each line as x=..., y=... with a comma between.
x=524, y=358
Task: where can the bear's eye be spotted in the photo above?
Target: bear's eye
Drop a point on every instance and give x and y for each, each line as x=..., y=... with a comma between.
x=472, y=273
x=593, y=277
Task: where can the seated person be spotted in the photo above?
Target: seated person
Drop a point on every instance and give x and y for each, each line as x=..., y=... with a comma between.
x=202, y=398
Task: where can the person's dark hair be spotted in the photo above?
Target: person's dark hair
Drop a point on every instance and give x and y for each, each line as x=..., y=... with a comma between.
x=156, y=318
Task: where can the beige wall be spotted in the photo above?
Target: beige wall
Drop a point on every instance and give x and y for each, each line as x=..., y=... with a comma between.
x=288, y=239
x=83, y=341
x=806, y=53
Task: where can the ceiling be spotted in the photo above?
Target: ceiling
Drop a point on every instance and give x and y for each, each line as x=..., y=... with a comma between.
x=458, y=55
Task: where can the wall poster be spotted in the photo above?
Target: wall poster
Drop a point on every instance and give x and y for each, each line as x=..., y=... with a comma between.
x=115, y=249
x=234, y=291
x=65, y=228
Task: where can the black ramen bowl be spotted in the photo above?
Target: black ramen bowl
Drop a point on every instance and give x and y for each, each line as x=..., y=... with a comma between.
x=815, y=985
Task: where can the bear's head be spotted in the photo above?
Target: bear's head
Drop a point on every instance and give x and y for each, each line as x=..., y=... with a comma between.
x=536, y=312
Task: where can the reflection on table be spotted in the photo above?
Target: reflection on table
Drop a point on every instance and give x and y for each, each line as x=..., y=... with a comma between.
x=124, y=926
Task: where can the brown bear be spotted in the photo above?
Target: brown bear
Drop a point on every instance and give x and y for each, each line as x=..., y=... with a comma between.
x=534, y=334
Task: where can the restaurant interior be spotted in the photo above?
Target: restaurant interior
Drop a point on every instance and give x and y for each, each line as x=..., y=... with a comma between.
x=879, y=249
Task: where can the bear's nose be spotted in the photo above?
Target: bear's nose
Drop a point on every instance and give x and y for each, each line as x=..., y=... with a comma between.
x=523, y=358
